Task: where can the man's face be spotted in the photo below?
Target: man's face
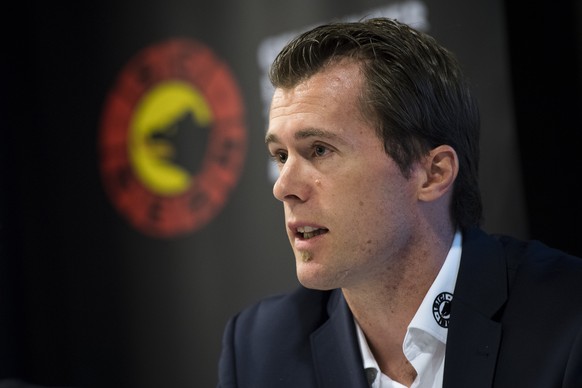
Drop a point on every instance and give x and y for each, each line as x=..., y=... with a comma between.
x=349, y=211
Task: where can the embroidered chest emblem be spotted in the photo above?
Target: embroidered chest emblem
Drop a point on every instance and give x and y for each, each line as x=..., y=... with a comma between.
x=441, y=309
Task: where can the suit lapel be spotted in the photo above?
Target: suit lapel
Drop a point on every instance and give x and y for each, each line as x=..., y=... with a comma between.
x=480, y=292
x=336, y=354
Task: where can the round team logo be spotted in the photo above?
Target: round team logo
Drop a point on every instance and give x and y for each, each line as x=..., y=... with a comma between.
x=172, y=138
x=441, y=308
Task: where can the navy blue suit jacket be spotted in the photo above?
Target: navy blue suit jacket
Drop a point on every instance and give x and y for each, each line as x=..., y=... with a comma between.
x=516, y=321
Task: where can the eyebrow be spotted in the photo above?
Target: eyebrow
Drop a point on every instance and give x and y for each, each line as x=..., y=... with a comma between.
x=303, y=134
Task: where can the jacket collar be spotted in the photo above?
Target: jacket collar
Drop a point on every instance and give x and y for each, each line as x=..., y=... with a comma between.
x=480, y=292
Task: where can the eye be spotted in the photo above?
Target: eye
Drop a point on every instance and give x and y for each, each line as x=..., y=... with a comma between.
x=279, y=157
x=320, y=150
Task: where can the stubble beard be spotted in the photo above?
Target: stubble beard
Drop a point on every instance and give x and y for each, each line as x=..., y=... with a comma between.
x=305, y=256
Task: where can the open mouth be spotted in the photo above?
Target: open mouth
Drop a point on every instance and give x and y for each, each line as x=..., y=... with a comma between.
x=307, y=232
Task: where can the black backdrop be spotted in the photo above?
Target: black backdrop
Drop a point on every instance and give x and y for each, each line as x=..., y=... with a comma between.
x=545, y=44
x=88, y=300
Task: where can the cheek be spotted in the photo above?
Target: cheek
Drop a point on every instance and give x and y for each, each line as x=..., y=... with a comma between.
x=381, y=204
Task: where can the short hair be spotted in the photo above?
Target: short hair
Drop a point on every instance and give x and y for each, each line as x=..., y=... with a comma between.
x=414, y=93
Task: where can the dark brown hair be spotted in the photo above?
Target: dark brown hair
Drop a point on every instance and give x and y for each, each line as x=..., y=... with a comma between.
x=415, y=93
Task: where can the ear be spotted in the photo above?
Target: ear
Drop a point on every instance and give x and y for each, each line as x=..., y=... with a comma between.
x=440, y=169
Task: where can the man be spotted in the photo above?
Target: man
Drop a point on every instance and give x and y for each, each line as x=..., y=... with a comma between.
x=376, y=134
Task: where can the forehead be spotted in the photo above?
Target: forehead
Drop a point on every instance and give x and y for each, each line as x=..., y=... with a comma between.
x=342, y=76
x=330, y=99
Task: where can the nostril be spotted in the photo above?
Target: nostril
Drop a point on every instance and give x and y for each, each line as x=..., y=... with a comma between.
x=292, y=197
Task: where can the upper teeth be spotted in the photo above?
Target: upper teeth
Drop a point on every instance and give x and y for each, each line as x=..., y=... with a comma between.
x=309, y=231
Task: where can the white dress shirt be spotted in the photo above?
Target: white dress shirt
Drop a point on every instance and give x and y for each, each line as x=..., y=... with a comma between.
x=426, y=336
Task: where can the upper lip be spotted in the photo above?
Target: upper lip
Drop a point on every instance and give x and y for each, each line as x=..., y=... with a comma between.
x=304, y=227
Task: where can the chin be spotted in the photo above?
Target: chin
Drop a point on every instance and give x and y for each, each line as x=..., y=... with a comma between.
x=315, y=285
x=311, y=275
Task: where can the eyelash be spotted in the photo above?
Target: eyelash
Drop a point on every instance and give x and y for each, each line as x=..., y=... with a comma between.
x=278, y=156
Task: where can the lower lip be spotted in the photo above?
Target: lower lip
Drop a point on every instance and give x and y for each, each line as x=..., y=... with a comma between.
x=305, y=244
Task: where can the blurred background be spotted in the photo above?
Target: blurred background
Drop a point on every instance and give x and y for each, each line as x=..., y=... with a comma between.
x=136, y=213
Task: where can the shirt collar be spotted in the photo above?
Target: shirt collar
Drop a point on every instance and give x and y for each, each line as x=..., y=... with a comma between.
x=433, y=314
x=367, y=356
x=425, y=319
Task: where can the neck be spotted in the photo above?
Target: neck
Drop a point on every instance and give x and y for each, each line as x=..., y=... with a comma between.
x=385, y=304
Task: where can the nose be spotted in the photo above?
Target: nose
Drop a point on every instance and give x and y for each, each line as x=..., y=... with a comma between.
x=291, y=185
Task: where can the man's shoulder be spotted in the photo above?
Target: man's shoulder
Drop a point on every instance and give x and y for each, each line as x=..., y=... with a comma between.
x=301, y=309
x=537, y=267
x=500, y=266
x=535, y=255
x=269, y=342
x=522, y=252
x=298, y=296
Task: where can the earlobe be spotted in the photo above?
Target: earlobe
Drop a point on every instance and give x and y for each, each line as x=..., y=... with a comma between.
x=440, y=166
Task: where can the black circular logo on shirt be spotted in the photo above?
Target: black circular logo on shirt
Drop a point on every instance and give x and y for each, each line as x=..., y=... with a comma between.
x=441, y=309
